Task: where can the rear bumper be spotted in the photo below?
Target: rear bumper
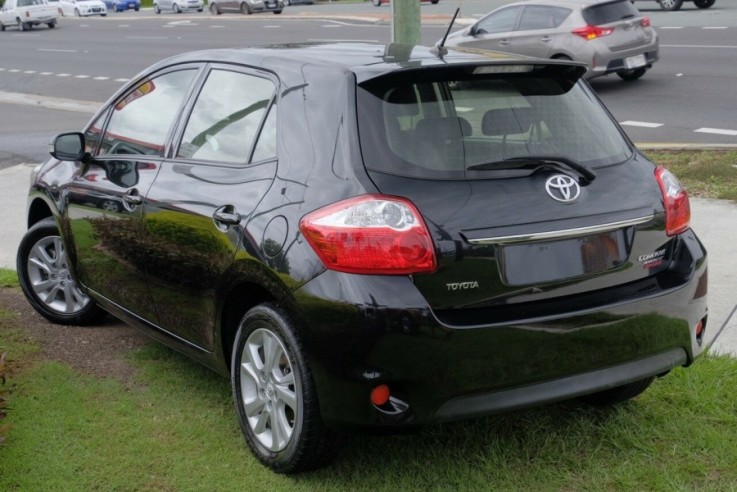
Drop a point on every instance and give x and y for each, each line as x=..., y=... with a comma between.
x=362, y=331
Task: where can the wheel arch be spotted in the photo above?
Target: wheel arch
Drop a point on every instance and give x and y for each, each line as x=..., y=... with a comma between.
x=38, y=210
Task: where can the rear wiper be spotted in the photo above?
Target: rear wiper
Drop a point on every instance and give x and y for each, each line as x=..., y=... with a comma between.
x=628, y=16
x=587, y=174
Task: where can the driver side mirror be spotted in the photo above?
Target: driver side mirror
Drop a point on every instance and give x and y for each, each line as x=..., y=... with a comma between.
x=68, y=147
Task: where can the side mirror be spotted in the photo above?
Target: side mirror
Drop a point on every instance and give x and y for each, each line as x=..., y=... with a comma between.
x=68, y=147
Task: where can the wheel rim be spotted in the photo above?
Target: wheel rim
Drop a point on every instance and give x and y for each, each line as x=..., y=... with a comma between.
x=668, y=3
x=50, y=278
x=268, y=390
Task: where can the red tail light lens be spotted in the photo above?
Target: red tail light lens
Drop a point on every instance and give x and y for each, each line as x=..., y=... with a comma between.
x=675, y=199
x=645, y=22
x=371, y=234
x=593, y=32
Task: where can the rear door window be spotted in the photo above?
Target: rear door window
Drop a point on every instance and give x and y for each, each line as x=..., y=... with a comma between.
x=501, y=21
x=226, y=118
x=542, y=17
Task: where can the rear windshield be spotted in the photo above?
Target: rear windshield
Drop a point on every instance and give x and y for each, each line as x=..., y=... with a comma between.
x=452, y=121
x=606, y=13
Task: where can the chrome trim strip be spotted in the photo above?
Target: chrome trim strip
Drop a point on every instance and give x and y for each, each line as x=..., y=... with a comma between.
x=566, y=233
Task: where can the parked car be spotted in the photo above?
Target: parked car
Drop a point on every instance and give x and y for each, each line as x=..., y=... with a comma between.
x=25, y=14
x=372, y=237
x=218, y=7
x=178, y=6
x=608, y=36
x=677, y=4
x=83, y=8
x=121, y=5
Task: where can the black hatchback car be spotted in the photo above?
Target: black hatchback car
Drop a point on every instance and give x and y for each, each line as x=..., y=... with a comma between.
x=369, y=237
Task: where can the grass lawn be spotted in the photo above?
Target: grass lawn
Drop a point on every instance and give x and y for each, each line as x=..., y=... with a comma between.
x=173, y=427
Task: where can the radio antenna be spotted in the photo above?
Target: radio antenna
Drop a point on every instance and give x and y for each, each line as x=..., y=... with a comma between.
x=440, y=48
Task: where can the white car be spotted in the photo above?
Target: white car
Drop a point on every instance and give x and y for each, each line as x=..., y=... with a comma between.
x=178, y=6
x=82, y=8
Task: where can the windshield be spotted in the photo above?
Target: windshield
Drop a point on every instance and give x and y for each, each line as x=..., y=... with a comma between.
x=451, y=127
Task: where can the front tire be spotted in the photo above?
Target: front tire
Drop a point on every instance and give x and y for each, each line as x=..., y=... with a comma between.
x=670, y=5
x=51, y=24
x=157, y=9
x=619, y=394
x=176, y=9
x=46, y=280
x=76, y=13
x=632, y=74
x=377, y=3
x=274, y=394
x=214, y=9
x=22, y=26
x=245, y=9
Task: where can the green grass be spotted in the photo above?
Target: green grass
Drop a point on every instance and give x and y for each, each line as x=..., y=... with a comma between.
x=174, y=429
x=705, y=173
x=8, y=278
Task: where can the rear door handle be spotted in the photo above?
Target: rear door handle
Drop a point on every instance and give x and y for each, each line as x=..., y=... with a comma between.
x=226, y=216
x=132, y=198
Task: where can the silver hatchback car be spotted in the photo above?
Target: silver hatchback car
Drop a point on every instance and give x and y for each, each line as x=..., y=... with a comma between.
x=608, y=36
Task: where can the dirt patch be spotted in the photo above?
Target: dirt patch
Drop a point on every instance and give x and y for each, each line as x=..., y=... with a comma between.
x=98, y=350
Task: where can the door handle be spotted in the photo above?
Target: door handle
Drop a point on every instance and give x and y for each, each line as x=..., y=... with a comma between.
x=131, y=197
x=545, y=39
x=504, y=42
x=226, y=216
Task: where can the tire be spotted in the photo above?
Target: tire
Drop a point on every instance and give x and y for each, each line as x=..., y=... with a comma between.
x=157, y=9
x=76, y=13
x=46, y=281
x=434, y=2
x=619, y=394
x=22, y=26
x=176, y=9
x=103, y=15
x=630, y=75
x=377, y=3
x=2, y=26
x=272, y=384
x=51, y=24
x=137, y=9
x=670, y=5
x=288, y=3
x=245, y=9
x=703, y=4
x=277, y=12
x=214, y=9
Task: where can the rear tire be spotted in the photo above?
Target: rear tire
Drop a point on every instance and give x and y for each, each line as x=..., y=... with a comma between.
x=176, y=9
x=214, y=9
x=619, y=394
x=377, y=3
x=76, y=13
x=245, y=9
x=157, y=9
x=274, y=394
x=46, y=280
x=670, y=5
x=630, y=75
x=22, y=25
x=277, y=12
x=704, y=4
x=51, y=24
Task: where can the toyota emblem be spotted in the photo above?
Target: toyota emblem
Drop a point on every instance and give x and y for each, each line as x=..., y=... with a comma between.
x=562, y=188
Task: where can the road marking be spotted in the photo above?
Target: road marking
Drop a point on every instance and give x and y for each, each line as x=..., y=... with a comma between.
x=671, y=27
x=271, y=27
x=46, y=73
x=328, y=40
x=52, y=50
x=122, y=80
x=643, y=124
x=101, y=78
x=81, y=76
x=49, y=102
x=63, y=74
x=13, y=70
x=330, y=25
x=217, y=27
x=697, y=47
x=146, y=37
x=714, y=27
x=29, y=71
x=717, y=131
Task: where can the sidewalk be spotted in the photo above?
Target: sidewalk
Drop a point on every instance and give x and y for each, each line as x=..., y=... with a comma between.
x=713, y=220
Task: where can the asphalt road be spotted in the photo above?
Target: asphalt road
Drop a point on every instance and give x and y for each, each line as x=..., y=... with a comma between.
x=688, y=97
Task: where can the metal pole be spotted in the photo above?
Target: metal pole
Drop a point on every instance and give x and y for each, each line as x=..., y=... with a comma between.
x=406, y=21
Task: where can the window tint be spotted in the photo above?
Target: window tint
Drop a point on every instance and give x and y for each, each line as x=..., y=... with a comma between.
x=141, y=121
x=226, y=117
x=542, y=17
x=444, y=126
x=610, y=12
x=501, y=21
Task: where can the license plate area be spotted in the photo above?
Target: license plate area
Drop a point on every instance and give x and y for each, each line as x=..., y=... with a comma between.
x=636, y=61
x=551, y=261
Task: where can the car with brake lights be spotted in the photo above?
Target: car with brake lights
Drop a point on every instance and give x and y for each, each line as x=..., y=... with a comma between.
x=608, y=36
x=371, y=238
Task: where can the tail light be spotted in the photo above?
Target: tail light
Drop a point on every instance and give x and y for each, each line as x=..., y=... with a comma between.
x=593, y=32
x=645, y=22
x=371, y=234
x=675, y=199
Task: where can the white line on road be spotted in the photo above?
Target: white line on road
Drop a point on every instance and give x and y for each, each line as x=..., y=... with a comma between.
x=717, y=131
x=122, y=80
x=146, y=37
x=56, y=51
x=271, y=27
x=13, y=70
x=81, y=76
x=101, y=78
x=63, y=74
x=643, y=124
x=671, y=27
x=714, y=27
x=699, y=47
x=217, y=27
x=29, y=71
